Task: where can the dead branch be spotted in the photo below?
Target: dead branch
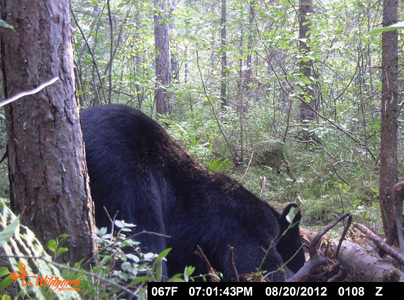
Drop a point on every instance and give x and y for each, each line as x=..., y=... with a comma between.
x=248, y=166
x=211, y=270
x=315, y=260
x=233, y=265
x=317, y=238
x=380, y=243
x=308, y=268
x=263, y=181
x=340, y=276
x=27, y=93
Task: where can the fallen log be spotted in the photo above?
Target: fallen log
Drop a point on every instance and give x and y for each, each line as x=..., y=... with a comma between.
x=366, y=266
x=359, y=258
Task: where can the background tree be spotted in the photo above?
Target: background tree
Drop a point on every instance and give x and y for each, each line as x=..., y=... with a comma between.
x=263, y=107
x=223, y=54
x=389, y=116
x=163, y=95
x=307, y=107
x=267, y=55
x=48, y=177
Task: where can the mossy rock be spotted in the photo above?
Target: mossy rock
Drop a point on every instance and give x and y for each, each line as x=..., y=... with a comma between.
x=273, y=156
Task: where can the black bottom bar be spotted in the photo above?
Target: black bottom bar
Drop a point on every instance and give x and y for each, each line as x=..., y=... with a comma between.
x=160, y=290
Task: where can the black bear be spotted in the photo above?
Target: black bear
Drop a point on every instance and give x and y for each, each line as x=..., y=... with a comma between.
x=137, y=169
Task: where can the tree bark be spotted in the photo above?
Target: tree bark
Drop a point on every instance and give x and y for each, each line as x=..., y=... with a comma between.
x=250, y=42
x=223, y=43
x=306, y=108
x=389, y=115
x=163, y=96
x=48, y=175
x=175, y=66
x=138, y=59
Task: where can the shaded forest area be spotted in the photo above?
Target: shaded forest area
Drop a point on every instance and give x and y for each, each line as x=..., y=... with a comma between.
x=293, y=93
x=299, y=101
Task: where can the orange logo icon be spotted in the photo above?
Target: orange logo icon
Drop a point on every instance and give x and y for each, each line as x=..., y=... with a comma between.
x=51, y=282
x=21, y=274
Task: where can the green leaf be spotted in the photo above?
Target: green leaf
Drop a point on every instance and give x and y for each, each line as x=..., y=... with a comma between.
x=140, y=279
x=8, y=233
x=6, y=282
x=52, y=245
x=5, y=25
x=162, y=255
x=102, y=231
x=399, y=25
x=189, y=270
x=159, y=270
x=5, y=297
x=4, y=271
x=123, y=224
x=291, y=215
x=61, y=250
x=119, y=223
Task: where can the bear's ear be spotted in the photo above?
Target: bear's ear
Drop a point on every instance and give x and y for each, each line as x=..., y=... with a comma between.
x=291, y=216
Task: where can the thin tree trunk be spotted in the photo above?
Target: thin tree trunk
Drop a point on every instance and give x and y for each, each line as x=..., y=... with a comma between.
x=111, y=51
x=250, y=39
x=223, y=43
x=186, y=67
x=175, y=67
x=389, y=114
x=48, y=174
x=163, y=63
x=138, y=61
x=307, y=115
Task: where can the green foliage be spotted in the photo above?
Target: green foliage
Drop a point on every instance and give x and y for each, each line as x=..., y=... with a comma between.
x=398, y=25
x=55, y=247
x=335, y=173
x=121, y=266
x=5, y=25
x=9, y=231
x=21, y=244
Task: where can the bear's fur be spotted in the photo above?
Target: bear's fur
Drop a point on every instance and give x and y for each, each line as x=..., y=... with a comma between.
x=137, y=169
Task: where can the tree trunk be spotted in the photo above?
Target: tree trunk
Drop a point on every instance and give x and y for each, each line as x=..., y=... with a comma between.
x=307, y=115
x=223, y=43
x=175, y=66
x=138, y=60
x=111, y=52
x=163, y=63
x=48, y=176
x=389, y=114
x=250, y=42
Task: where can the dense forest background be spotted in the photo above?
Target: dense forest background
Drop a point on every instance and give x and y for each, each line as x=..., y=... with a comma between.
x=236, y=87
x=300, y=101
x=238, y=75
